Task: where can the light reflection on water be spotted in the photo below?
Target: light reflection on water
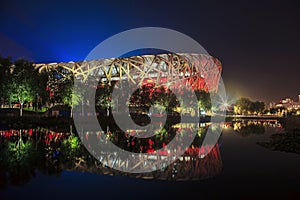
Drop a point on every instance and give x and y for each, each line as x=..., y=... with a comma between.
x=60, y=154
x=25, y=152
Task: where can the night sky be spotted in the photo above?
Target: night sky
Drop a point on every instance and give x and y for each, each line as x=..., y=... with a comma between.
x=257, y=42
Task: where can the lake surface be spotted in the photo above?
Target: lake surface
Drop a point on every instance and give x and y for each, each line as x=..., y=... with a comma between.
x=53, y=164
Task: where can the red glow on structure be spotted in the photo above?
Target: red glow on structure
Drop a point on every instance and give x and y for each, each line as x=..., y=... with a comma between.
x=150, y=150
x=150, y=142
x=196, y=83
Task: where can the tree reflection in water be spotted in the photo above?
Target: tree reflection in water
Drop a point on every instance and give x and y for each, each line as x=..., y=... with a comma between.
x=287, y=139
x=25, y=152
x=246, y=128
x=17, y=157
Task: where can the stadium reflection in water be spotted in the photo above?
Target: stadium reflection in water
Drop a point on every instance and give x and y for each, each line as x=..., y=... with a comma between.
x=25, y=152
x=54, y=164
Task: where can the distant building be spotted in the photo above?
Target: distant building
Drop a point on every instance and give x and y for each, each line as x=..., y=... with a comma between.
x=289, y=104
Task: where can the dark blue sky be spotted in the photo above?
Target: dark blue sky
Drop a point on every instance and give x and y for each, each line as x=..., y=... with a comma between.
x=257, y=42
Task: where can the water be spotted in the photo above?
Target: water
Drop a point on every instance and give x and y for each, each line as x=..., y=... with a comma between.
x=238, y=167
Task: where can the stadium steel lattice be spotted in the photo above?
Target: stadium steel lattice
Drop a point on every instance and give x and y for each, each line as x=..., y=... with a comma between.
x=200, y=71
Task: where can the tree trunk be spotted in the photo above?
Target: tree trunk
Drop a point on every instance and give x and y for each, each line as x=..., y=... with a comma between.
x=21, y=109
x=71, y=112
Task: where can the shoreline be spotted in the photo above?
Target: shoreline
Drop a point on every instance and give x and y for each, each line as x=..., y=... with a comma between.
x=9, y=118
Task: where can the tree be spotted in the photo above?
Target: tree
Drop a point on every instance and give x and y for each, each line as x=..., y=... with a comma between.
x=20, y=92
x=257, y=107
x=245, y=105
x=71, y=98
x=22, y=83
x=5, y=66
x=103, y=97
x=204, y=101
x=242, y=105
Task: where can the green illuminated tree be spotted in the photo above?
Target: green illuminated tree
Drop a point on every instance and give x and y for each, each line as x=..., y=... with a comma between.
x=20, y=92
x=204, y=101
x=22, y=83
x=71, y=97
